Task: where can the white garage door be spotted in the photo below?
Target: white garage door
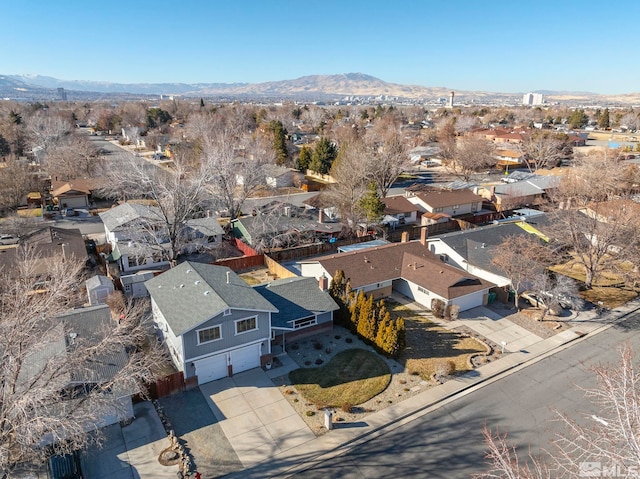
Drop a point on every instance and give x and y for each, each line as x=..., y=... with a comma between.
x=211, y=368
x=245, y=358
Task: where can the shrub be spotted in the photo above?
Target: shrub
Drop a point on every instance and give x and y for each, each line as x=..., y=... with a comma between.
x=289, y=391
x=307, y=363
x=437, y=308
x=317, y=346
x=310, y=413
x=444, y=368
x=346, y=407
x=319, y=361
x=328, y=350
x=337, y=336
x=349, y=340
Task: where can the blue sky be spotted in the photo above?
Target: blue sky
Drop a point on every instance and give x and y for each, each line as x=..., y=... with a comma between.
x=503, y=46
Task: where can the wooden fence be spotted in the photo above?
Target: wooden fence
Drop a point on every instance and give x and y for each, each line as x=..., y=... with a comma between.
x=242, y=263
x=167, y=385
x=277, y=269
x=314, y=249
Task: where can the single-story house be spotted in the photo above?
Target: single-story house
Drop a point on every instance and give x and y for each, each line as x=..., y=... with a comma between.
x=532, y=190
x=408, y=268
x=401, y=208
x=76, y=193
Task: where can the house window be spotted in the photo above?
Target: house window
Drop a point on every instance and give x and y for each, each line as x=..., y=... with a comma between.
x=227, y=312
x=455, y=207
x=422, y=290
x=245, y=325
x=209, y=334
x=304, y=323
x=474, y=206
x=437, y=210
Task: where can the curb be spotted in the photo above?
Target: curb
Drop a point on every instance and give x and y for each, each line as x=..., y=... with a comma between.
x=433, y=405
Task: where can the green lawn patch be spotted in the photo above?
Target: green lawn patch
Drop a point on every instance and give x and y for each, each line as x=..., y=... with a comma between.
x=350, y=378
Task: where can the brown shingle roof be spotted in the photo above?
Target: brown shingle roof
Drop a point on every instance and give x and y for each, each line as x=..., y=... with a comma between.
x=396, y=260
x=398, y=204
x=444, y=198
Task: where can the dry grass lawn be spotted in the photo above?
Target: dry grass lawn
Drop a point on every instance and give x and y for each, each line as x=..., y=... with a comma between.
x=610, y=297
x=429, y=345
x=575, y=270
x=350, y=378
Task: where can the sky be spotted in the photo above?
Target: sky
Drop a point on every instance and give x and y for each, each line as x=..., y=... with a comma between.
x=498, y=46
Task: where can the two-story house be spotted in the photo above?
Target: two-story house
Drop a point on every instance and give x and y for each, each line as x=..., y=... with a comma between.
x=213, y=323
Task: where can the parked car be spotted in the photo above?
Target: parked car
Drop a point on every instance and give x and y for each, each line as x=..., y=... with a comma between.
x=69, y=212
x=8, y=239
x=538, y=301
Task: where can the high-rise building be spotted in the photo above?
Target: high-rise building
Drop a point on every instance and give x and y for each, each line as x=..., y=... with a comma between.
x=532, y=99
x=62, y=95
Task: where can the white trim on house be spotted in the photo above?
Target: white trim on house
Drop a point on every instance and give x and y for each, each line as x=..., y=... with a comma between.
x=217, y=326
x=255, y=328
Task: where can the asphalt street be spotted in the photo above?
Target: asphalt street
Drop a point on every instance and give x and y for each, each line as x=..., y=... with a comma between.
x=448, y=443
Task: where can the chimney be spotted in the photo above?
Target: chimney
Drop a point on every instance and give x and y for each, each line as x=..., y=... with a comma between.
x=423, y=236
x=323, y=282
x=405, y=237
x=227, y=277
x=320, y=215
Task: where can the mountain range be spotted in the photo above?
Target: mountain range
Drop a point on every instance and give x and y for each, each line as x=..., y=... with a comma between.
x=308, y=88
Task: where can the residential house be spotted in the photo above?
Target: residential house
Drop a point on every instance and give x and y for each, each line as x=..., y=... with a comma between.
x=408, y=268
x=284, y=225
x=304, y=307
x=86, y=326
x=47, y=243
x=510, y=159
x=401, y=208
x=531, y=190
x=76, y=193
x=278, y=176
x=202, y=233
x=440, y=206
x=213, y=323
x=137, y=242
x=133, y=285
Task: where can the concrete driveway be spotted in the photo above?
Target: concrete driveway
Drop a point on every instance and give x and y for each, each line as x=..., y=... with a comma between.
x=257, y=420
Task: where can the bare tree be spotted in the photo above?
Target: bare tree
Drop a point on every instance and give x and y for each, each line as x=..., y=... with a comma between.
x=16, y=181
x=39, y=405
x=45, y=130
x=350, y=172
x=73, y=157
x=523, y=259
x=447, y=137
x=542, y=149
x=178, y=195
x=388, y=156
x=472, y=154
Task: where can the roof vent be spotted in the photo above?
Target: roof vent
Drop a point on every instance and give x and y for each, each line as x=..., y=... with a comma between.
x=207, y=293
x=197, y=282
x=182, y=285
x=188, y=271
x=227, y=277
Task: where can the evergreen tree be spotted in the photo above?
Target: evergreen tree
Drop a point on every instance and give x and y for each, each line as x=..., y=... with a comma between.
x=381, y=335
x=367, y=320
x=304, y=158
x=354, y=309
x=603, y=119
x=371, y=204
x=578, y=119
x=279, y=141
x=323, y=156
x=201, y=103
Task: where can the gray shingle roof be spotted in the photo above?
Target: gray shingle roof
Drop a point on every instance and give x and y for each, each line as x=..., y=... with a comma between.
x=207, y=226
x=126, y=213
x=295, y=298
x=192, y=293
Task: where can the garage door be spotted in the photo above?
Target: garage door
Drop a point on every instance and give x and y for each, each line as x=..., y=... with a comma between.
x=211, y=368
x=245, y=358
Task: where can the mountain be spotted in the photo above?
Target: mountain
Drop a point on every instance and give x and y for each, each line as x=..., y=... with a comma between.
x=306, y=88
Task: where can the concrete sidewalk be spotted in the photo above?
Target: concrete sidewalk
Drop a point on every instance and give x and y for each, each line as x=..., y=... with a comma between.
x=341, y=439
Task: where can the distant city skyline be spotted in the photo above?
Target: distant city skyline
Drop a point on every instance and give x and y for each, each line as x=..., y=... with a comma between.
x=467, y=45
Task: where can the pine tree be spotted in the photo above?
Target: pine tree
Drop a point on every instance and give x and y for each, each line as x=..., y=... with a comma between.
x=354, y=309
x=371, y=204
x=383, y=328
x=304, y=158
x=323, y=156
x=603, y=119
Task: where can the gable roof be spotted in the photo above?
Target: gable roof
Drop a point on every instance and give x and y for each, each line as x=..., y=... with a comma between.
x=393, y=261
x=125, y=213
x=192, y=293
x=208, y=226
x=295, y=298
x=79, y=184
x=444, y=198
x=534, y=185
x=398, y=204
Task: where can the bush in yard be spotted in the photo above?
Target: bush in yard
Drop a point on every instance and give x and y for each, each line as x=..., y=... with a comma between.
x=346, y=407
x=444, y=369
x=454, y=312
x=437, y=308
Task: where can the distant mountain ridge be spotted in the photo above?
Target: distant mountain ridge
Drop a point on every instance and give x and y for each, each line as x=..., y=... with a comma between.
x=318, y=87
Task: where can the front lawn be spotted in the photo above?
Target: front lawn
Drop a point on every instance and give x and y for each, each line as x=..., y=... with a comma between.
x=350, y=378
x=431, y=347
